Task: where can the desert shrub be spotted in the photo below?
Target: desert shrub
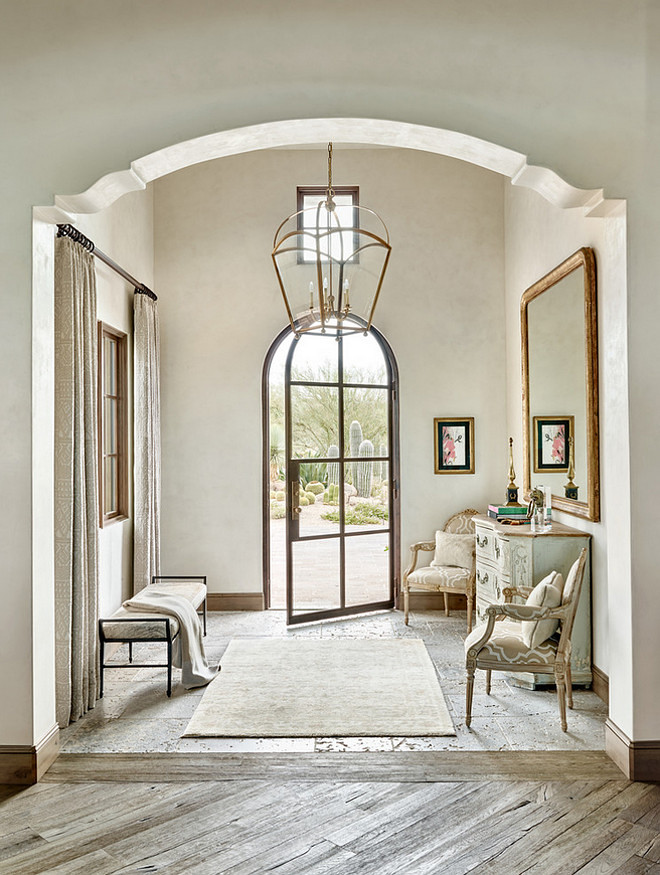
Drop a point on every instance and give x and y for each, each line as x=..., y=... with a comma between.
x=362, y=514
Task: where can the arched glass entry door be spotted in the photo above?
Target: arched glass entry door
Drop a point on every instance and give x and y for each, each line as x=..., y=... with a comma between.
x=341, y=476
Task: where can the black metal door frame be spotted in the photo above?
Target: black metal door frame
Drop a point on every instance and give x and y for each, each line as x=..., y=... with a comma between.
x=293, y=481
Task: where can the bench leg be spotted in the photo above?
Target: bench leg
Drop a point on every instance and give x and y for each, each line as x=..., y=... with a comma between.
x=102, y=660
x=169, y=669
x=130, y=651
x=205, y=618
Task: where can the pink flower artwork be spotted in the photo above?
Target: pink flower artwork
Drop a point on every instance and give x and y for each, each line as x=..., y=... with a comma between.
x=453, y=447
x=559, y=446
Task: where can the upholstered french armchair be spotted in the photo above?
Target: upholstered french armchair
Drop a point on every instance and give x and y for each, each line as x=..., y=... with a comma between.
x=520, y=637
x=452, y=569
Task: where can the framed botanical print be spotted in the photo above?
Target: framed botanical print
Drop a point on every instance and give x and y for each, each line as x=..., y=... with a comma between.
x=454, y=445
x=551, y=442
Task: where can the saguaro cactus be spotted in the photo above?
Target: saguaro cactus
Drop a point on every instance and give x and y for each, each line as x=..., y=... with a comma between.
x=383, y=465
x=355, y=439
x=333, y=467
x=365, y=469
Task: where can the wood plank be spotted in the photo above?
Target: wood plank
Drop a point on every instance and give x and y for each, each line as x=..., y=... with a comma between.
x=403, y=766
x=633, y=843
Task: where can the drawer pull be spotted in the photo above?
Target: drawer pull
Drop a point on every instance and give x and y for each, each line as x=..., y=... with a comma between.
x=497, y=550
x=483, y=542
x=483, y=578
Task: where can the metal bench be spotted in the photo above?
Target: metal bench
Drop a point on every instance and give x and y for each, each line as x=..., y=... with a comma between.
x=128, y=627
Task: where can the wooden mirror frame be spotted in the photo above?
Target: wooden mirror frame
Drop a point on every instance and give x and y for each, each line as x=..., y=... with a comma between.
x=589, y=509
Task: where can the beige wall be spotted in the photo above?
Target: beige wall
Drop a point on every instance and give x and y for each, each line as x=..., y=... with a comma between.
x=539, y=237
x=441, y=309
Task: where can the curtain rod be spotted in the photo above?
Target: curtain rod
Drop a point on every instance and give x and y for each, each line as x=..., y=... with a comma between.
x=86, y=243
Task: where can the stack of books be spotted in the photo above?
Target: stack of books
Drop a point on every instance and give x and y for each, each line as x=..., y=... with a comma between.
x=503, y=513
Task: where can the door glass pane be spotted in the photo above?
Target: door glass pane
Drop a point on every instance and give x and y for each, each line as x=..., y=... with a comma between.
x=314, y=422
x=319, y=504
x=315, y=567
x=367, y=569
x=363, y=360
x=365, y=422
x=315, y=359
x=367, y=502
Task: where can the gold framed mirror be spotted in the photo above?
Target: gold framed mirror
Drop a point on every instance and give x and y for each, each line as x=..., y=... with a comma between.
x=559, y=330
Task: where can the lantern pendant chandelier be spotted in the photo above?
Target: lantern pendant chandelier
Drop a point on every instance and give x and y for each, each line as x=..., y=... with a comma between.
x=330, y=261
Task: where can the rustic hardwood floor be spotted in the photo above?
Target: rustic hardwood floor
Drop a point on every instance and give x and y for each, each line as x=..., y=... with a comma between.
x=332, y=813
x=512, y=795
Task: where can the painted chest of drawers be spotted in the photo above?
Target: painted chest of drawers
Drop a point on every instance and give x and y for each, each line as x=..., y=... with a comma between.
x=514, y=556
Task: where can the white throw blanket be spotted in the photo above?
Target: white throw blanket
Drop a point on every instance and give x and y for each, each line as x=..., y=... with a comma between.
x=188, y=648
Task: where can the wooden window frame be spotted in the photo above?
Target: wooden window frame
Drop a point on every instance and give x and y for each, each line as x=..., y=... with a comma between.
x=121, y=339
x=319, y=191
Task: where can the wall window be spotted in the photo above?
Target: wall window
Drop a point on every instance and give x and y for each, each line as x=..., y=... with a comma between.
x=346, y=199
x=113, y=425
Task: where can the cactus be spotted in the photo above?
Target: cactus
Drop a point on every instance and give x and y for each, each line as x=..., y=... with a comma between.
x=383, y=465
x=355, y=439
x=365, y=469
x=331, y=495
x=333, y=467
x=315, y=487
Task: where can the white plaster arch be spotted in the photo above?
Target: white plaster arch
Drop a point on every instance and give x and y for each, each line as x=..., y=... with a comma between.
x=309, y=132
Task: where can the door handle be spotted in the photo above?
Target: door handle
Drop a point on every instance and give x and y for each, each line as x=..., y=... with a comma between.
x=295, y=500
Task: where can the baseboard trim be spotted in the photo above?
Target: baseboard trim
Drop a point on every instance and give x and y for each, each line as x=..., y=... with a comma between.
x=235, y=601
x=600, y=684
x=26, y=764
x=433, y=601
x=638, y=760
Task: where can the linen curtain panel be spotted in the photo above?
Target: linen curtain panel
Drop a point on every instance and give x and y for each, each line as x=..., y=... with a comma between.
x=146, y=469
x=76, y=510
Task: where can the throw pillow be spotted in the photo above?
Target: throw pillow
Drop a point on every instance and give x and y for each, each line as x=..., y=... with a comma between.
x=452, y=549
x=546, y=594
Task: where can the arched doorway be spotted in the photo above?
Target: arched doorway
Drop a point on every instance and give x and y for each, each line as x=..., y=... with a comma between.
x=331, y=475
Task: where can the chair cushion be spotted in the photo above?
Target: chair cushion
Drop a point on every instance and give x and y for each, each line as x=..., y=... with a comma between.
x=435, y=577
x=571, y=581
x=546, y=594
x=451, y=549
x=506, y=646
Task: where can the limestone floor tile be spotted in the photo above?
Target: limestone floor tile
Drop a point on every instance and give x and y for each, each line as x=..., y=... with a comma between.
x=584, y=733
x=354, y=744
x=128, y=736
x=503, y=701
x=153, y=703
x=246, y=745
x=485, y=734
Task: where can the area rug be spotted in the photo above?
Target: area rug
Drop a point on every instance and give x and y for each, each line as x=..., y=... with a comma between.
x=273, y=687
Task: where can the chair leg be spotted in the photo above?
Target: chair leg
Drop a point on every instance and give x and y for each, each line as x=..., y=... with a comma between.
x=406, y=603
x=469, y=690
x=561, y=695
x=469, y=614
x=569, y=685
x=488, y=673
x=446, y=600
